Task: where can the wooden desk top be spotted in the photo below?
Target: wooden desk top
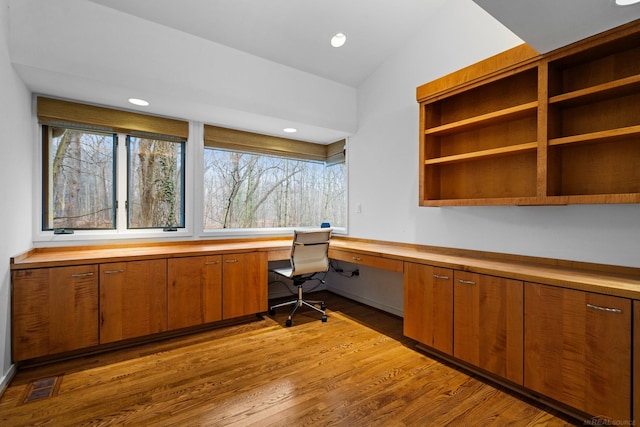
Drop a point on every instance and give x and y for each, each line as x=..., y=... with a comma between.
x=77, y=255
x=605, y=279
x=599, y=278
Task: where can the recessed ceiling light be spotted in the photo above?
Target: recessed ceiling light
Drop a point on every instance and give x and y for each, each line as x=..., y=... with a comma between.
x=290, y=130
x=338, y=40
x=136, y=101
x=626, y=2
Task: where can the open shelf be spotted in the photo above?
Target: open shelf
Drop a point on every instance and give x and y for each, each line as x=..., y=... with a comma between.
x=484, y=119
x=599, y=92
x=494, y=152
x=600, y=136
x=557, y=128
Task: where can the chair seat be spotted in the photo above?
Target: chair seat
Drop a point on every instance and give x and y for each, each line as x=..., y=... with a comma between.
x=286, y=272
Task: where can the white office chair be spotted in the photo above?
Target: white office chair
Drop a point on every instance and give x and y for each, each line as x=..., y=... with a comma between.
x=309, y=256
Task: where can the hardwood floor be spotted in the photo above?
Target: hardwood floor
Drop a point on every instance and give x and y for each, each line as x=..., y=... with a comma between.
x=357, y=369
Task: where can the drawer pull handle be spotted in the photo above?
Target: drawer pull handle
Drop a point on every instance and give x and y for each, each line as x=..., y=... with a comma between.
x=82, y=275
x=437, y=276
x=467, y=282
x=356, y=258
x=230, y=260
x=113, y=271
x=212, y=262
x=607, y=309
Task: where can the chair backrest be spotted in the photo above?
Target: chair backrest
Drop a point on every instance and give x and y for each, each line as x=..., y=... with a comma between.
x=310, y=251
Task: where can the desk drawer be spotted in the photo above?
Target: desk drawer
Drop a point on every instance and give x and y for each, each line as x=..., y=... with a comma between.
x=370, y=260
x=279, y=255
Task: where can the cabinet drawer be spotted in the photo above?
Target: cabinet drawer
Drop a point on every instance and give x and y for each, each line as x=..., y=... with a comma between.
x=279, y=255
x=370, y=260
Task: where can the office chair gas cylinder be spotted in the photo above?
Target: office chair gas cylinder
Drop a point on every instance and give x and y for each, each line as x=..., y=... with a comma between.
x=309, y=256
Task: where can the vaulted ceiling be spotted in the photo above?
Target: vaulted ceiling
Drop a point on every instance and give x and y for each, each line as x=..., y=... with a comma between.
x=249, y=64
x=297, y=32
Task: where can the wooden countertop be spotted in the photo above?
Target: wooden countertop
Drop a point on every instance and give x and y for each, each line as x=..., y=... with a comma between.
x=599, y=278
x=77, y=255
x=605, y=279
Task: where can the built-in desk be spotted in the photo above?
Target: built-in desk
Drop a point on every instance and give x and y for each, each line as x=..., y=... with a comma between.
x=559, y=331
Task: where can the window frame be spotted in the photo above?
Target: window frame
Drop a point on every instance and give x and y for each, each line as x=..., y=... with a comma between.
x=194, y=143
x=46, y=174
x=182, y=209
x=229, y=140
x=120, y=232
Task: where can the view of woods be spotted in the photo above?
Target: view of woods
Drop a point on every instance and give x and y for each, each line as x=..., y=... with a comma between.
x=80, y=180
x=255, y=191
x=156, y=189
x=241, y=190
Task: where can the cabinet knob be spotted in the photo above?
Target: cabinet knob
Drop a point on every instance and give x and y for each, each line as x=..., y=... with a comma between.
x=466, y=282
x=113, y=271
x=437, y=276
x=212, y=262
x=357, y=258
x=231, y=260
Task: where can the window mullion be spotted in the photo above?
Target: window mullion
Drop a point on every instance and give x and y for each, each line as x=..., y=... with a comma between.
x=121, y=184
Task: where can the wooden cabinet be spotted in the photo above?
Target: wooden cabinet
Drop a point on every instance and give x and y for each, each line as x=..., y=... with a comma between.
x=133, y=299
x=428, y=305
x=594, y=121
x=54, y=310
x=488, y=323
x=481, y=143
x=636, y=362
x=578, y=349
x=244, y=284
x=522, y=128
x=194, y=291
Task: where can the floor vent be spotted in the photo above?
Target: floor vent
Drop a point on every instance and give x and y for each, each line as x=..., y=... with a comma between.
x=42, y=389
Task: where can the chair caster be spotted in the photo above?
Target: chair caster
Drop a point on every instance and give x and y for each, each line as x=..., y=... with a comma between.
x=324, y=318
x=272, y=312
x=288, y=322
x=323, y=306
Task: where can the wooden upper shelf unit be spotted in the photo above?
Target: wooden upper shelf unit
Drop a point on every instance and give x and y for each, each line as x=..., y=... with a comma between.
x=521, y=128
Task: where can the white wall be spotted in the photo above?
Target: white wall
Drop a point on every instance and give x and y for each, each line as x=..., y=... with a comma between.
x=16, y=178
x=383, y=168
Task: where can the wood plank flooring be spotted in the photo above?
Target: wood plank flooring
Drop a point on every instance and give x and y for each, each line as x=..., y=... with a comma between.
x=355, y=370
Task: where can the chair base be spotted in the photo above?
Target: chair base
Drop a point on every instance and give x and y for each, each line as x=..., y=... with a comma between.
x=297, y=303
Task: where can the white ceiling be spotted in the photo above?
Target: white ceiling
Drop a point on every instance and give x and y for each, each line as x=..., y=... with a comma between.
x=296, y=33
x=291, y=35
x=549, y=24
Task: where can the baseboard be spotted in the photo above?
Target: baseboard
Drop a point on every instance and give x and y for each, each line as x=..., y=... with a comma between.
x=369, y=302
x=6, y=379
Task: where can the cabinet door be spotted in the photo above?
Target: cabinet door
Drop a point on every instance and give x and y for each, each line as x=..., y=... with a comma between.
x=578, y=349
x=636, y=362
x=428, y=305
x=133, y=299
x=244, y=284
x=54, y=310
x=488, y=323
x=194, y=293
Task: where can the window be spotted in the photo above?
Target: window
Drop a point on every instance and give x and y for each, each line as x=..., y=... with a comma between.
x=260, y=181
x=155, y=183
x=79, y=179
x=245, y=190
x=92, y=182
